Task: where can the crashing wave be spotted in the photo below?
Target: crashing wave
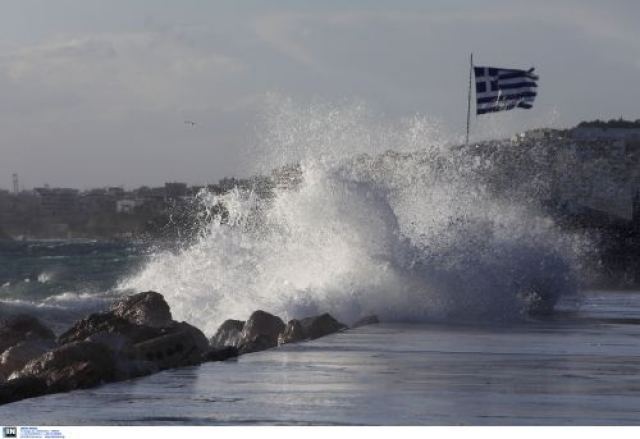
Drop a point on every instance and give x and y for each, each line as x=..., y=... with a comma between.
x=416, y=233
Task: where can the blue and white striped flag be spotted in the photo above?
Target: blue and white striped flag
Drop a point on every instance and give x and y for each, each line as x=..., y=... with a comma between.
x=504, y=89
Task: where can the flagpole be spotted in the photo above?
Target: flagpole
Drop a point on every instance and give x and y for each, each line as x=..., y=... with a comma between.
x=469, y=96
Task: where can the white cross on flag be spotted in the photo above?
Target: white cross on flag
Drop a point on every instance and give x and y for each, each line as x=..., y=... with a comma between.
x=504, y=89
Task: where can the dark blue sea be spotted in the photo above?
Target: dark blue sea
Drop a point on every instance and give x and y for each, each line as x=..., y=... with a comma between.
x=60, y=281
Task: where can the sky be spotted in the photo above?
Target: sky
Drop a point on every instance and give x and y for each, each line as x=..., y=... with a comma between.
x=95, y=92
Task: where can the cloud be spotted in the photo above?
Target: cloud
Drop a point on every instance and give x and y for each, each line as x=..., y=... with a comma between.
x=121, y=85
x=284, y=32
x=110, y=73
x=108, y=108
x=609, y=21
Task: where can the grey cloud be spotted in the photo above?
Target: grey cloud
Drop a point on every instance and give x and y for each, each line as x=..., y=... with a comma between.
x=97, y=94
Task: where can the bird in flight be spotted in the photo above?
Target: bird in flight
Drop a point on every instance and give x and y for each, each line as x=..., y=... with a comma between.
x=190, y=122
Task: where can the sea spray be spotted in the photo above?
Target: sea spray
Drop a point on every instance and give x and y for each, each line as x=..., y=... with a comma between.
x=381, y=219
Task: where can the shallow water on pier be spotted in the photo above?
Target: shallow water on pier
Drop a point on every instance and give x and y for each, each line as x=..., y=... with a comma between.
x=578, y=368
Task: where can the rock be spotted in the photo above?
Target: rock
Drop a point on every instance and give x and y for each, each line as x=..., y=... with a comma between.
x=108, y=323
x=319, y=326
x=22, y=327
x=368, y=320
x=75, y=365
x=136, y=337
x=259, y=343
x=228, y=334
x=310, y=328
x=171, y=350
x=293, y=332
x=146, y=309
x=222, y=354
x=260, y=332
x=21, y=388
x=141, y=349
x=197, y=335
x=17, y=356
x=138, y=317
x=182, y=345
x=115, y=341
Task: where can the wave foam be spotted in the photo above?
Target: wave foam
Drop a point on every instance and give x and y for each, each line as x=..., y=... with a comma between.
x=409, y=236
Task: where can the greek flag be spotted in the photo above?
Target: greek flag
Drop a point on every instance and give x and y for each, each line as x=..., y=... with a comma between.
x=504, y=89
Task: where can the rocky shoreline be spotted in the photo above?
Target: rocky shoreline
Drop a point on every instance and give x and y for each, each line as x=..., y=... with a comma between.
x=137, y=336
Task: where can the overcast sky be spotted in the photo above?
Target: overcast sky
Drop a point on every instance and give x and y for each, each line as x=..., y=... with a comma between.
x=95, y=92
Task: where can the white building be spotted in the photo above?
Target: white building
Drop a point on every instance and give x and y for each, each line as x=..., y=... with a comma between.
x=126, y=205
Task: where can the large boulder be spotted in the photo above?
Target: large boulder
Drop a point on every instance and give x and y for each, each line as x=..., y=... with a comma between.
x=108, y=323
x=176, y=345
x=22, y=327
x=228, y=334
x=139, y=330
x=292, y=333
x=319, y=326
x=128, y=362
x=181, y=345
x=148, y=309
x=198, y=337
x=260, y=332
x=18, y=355
x=310, y=328
x=136, y=337
x=138, y=317
x=75, y=365
x=117, y=342
x=258, y=343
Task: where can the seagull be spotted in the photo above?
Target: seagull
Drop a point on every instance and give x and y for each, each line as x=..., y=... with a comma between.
x=190, y=122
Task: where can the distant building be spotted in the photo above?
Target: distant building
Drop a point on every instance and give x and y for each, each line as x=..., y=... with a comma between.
x=127, y=205
x=149, y=200
x=97, y=201
x=6, y=203
x=116, y=192
x=623, y=130
x=175, y=190
x=58, y=202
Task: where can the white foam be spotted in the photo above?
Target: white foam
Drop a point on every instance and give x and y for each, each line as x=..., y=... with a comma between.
x=45, y=277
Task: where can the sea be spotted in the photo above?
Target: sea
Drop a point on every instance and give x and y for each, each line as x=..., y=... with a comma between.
x=577, y=367
x=447, y=245
x=62, y=281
